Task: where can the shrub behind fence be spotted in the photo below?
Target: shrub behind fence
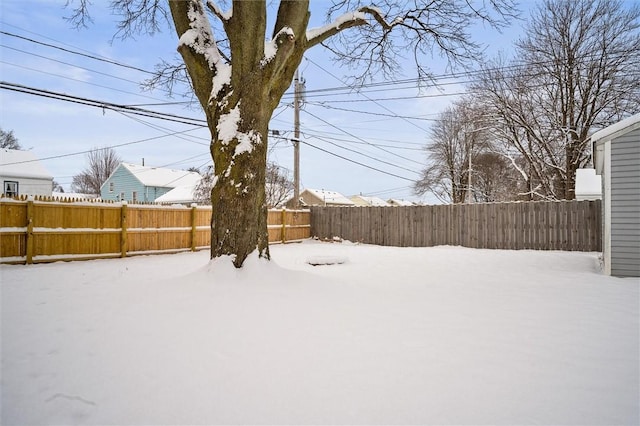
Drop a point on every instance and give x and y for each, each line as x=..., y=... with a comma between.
x=540, y=225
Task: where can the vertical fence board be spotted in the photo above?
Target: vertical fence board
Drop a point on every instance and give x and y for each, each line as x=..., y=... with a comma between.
x=42, y=229
x=556, y=225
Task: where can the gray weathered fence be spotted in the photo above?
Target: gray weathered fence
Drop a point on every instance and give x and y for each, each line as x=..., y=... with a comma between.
x=540, y=225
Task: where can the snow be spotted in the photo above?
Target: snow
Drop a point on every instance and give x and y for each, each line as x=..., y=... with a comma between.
x=607, y=132
x=22, y=164
x=339, y=22
x=228, y=130
x=330, y=197
x=228, y=125
x=200, y=38
x=271, y=47
x=588, y=185
x=441, y=335
x=161, y=177
x=362, y=200
x=179, y=194
x=397, y=202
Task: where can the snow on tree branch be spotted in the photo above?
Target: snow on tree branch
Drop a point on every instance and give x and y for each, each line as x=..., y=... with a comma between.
x=199, y=36
x=223, y=16
x=271, y=48
x=348, y=20
x=199, y=39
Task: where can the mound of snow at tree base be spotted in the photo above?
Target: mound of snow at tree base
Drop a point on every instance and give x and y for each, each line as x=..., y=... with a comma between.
x=392, y=336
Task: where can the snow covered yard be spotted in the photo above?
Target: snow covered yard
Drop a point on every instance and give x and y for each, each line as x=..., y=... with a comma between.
x=392, y=335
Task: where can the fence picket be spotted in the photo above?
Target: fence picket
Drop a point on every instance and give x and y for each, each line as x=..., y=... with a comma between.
x=539, y=225
x=44, y=229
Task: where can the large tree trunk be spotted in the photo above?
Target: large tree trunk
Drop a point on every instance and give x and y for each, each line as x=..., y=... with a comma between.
x=238, y=97
x=239, y=217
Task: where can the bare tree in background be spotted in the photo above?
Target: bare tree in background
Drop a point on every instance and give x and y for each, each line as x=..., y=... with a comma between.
x=279, y=187
x=239, y=79
x=8, y=140
x=494, y=179
x=575, y=71
x=458, y=137
x=101, y=162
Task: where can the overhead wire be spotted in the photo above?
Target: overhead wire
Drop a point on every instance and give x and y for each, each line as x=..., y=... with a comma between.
x=365, y=155
x=78, y=80
x=354, y=161
x=71, y=154
x=101, y=104
x=73, y=52
x=360, y=139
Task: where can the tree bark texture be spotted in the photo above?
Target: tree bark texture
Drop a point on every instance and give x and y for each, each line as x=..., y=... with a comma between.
x=239, y=98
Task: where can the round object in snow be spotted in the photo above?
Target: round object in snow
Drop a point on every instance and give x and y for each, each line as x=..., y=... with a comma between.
x=326, y=260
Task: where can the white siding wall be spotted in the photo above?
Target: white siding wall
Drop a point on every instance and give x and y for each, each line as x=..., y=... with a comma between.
x=625, y=204
x=29, y=186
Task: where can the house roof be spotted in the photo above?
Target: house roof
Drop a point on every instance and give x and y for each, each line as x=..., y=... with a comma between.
x=180, y=194
x=330, y=197
x=361, y=200
x=22, y=164
x=611, y=132
x=160, y=177
x=396, y=202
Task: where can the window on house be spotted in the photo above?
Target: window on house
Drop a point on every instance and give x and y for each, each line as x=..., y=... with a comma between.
x=134, y=196
x=110, y=186
x=122, y=196
x=10, y=188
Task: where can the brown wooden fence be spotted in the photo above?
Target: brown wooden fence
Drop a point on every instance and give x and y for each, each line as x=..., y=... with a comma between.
x=541, y=225
x=45, y=230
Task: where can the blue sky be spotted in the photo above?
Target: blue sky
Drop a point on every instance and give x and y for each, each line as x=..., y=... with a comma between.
x=380, y=135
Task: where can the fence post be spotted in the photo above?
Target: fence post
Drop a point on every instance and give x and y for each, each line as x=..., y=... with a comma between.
x=123, y=227
x=29, y=248
x=283, y=232
x=193, y=226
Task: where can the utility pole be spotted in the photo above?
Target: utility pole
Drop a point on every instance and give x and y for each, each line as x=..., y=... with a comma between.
x=296, y=141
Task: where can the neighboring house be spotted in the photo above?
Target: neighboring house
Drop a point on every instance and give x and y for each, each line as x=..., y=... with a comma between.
x=396, y=202
x=21, y=173
x=617, y=159
x=134, y=183
x=320, y=197
x=361, y=200
x=588, y=185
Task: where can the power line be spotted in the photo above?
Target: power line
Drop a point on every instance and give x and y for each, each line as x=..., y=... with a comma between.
x=54, y=157
x=360, y=139
x=67, y=63
x=355, y=162
x=97, y=58
x=376, y=102
x=365, y=155
x=101, y=104
x=75, y=79
x=378, y=114
x=166, y=130
x=311, y=135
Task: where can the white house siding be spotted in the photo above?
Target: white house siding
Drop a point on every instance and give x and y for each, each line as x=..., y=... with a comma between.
x=24, y=168
x=29, y=186
x=625, y=204
x=34, y=186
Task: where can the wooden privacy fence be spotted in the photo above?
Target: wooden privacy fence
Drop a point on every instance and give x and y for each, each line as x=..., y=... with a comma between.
x=33, y=231
x=540, y=225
